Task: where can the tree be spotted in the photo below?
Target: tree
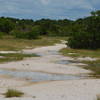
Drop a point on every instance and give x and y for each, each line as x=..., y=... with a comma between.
x=34, y=33
x=93, y=13
x=86, y=33
x=6, y=25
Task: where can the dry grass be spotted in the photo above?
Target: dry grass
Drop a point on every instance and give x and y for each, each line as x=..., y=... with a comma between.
x=15, y=57
x=10, y=43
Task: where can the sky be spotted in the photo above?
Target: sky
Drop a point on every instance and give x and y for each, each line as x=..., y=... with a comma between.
x=53, y=9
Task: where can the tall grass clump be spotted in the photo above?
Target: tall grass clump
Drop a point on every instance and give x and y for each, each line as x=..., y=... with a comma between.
x=13, y=93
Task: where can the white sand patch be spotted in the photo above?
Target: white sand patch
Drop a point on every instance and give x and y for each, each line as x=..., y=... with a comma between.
x=72, y=53
x=6, y=52
x=64, y=42
x=87, y=59
x=63, y=90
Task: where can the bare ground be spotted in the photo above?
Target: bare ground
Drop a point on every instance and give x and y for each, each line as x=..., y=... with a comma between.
x=83, y=89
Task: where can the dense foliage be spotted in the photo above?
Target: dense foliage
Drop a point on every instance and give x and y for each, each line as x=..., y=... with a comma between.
x=82, y=33
x=86, y=32
x=24, y=28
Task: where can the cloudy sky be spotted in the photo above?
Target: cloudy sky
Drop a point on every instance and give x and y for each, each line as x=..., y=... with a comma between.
x=54, y=9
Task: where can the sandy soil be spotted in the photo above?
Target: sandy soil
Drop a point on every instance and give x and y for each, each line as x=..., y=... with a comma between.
x=83, y=89
x=45, y=63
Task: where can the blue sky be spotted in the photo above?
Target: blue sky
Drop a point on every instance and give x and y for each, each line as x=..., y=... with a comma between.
x=54, y=9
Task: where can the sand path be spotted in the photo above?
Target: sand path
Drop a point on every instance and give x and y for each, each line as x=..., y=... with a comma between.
x=83, y=89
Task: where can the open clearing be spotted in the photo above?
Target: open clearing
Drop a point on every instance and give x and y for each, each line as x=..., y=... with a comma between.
x=49, y=62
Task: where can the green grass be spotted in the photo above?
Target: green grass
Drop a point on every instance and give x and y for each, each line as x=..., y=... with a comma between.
x=15, y=57
x=13, y=93
x=91, y=65
x=80, y=52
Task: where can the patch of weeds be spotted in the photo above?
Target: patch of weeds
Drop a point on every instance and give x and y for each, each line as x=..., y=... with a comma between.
x=15, y=56
x=93, y=66
x=9, y=43
x=13, y=93
x=80, y=52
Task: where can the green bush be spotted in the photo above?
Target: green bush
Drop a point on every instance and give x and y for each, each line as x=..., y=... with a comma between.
x=86, y=34
x=34, y=33
x=1, y=34
x=84, y=40
x=18, y=34
x=13, y=93
x=6, y=25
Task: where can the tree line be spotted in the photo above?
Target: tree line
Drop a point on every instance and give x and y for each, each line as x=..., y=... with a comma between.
x=83, y=33
x=30, y=29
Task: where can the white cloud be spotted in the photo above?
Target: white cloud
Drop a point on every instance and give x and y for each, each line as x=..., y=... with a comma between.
x=45, y=2
x=69, y=4
x=45, y=8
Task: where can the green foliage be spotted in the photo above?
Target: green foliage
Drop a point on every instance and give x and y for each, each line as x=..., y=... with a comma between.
x=82, y=40
x=32, y=34
x=25, y=28
x=6, y=25
x=18, y=34
x=14, y=57
x=1, y=34
x=95, y=13
x=82, y=33
x=86, y=33
x=54, y=27
x=13, y=93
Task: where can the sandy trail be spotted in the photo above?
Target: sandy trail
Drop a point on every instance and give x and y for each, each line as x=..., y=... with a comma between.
x=83, y=89
x=45, y=63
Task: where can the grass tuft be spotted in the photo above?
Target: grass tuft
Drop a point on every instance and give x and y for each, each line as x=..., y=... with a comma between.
x=93, y=66
x=13, y=93
x=14, y=57
x=80, y=52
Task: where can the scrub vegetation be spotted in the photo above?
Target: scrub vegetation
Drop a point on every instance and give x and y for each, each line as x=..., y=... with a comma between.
x=83, y=36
